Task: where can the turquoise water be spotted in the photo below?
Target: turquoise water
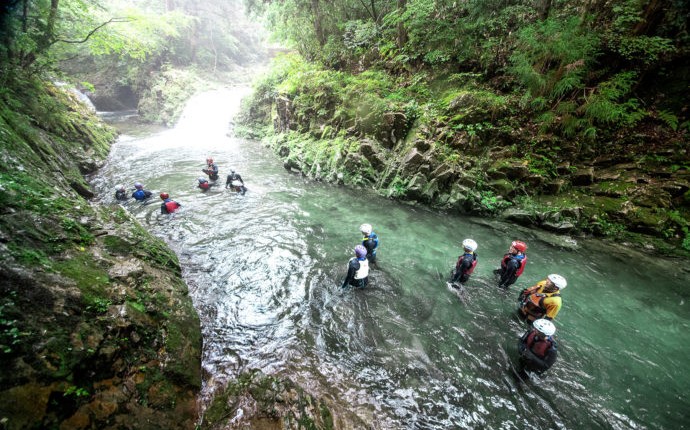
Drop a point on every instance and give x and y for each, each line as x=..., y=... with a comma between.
x=265, y=270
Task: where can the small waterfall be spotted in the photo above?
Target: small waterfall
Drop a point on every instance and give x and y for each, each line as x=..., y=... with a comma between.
x=81, y=96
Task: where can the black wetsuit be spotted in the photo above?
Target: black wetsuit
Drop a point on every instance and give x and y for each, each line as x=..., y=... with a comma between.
x=508, y=273
x=537, y=354
x=463, y=266
x=352, y=267
x=212, y=171
x=235, y=177
x=121, y=195
x=371, y=243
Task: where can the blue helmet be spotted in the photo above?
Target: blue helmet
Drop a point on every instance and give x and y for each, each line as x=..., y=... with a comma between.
x=360, y=251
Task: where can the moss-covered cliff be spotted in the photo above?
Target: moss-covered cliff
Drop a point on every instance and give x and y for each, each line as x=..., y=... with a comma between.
x=96, y=327
x=455, y=143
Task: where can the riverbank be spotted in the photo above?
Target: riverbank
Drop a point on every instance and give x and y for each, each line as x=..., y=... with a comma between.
x=96, y=325
x=466, y=148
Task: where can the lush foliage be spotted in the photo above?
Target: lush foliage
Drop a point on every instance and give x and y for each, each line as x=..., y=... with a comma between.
x=580, y=66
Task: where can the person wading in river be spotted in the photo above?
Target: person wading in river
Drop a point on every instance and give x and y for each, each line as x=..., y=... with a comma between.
x=140, y=194
x=169, y=205
x=121, y=193
x=512, y=265
x=466, y=263
x=370, y=241
x=537, y=348
x=357, y=269
x=235, y=182
x=204, y=185
x=542, y=300
x=211, y=169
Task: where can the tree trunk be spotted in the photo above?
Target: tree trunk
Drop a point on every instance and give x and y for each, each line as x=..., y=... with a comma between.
x=402, y=32
x=318, y=28
x=652, y=15
x=49, y=34
x=544, y=9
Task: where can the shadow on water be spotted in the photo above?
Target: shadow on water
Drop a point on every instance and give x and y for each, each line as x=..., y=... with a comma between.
x=265, y=269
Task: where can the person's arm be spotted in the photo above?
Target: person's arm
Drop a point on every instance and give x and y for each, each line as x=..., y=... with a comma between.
x=552, y=307
x=352, y=268
x=550, y=357
x=239, y=178
x=508, y=273
x=534, y=362
x=164, y=209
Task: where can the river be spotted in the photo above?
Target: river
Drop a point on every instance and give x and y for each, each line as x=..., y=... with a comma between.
x=264, y=271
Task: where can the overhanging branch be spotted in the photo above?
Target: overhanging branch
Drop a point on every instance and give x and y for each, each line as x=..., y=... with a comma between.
x=92, y=32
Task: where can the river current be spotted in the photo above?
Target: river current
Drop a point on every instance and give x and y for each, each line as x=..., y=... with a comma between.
x=264, y=271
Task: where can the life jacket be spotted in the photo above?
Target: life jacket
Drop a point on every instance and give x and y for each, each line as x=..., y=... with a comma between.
x=540, y=347
x=461, y=260
x=532, y=304
x=522, y=259
x=204, y=185
x=171, y=206
x=472, y=266
x=363, y=270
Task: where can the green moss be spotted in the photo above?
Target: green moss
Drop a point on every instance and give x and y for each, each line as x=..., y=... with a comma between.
x=117, y=245
x=92, y=280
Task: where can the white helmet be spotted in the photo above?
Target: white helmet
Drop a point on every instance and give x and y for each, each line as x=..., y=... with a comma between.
x=557, y=280
x=545, y=326
x=365, y=229
x=120, y=187
x=469, y=244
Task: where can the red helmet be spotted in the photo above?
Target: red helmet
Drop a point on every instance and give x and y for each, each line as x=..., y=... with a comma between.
x=520, y=246
x=165, y=196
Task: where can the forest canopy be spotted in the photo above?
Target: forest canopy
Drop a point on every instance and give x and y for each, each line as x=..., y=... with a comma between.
x=580, y=65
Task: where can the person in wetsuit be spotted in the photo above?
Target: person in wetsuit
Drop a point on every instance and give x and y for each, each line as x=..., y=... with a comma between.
x=204, y=185
x=357, y=269
x=466, y=262
x=121, y=193
x=235, y=181
x=542, y=300
x=169, y=205
x=140, y=194
x=537, y=348
x=370, y=241
x=512, y=265
x=211, y=169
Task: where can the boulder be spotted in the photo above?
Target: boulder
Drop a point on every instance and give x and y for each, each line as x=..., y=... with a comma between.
x=561, y=227
x=583, y=176
x=502, y=187
x=519, y=216
x=554, y=187
x=368, y=150
x=412, y=161
x=393, y=128
x=443, y=173
x=514, y=171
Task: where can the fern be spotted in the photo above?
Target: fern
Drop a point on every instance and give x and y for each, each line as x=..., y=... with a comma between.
x=669, y=119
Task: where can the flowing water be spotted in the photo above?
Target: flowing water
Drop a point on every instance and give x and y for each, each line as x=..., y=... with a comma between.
x=265, y=269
